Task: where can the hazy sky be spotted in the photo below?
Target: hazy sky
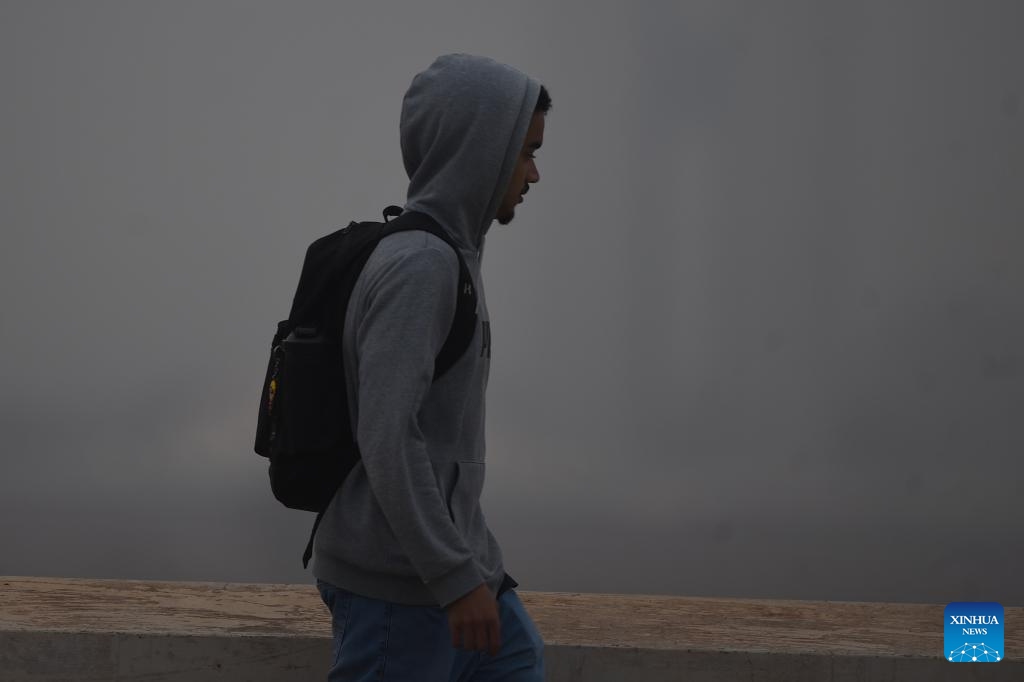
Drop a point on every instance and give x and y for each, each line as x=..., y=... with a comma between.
x=757, y=332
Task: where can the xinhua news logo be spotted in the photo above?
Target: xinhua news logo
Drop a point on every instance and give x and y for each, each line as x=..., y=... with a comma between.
x=974, y=632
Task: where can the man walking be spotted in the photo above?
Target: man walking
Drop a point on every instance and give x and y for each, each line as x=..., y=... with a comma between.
x=403, y=557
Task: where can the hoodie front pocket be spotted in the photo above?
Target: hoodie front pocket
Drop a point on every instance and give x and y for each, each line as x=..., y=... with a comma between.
x=464, y=502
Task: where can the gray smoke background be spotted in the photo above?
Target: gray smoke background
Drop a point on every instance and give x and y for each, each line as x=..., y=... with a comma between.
x=757, y=332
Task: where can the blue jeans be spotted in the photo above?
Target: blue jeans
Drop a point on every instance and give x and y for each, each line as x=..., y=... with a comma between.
x=385, y=642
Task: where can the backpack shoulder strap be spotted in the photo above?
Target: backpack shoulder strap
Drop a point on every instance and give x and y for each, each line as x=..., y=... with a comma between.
x=464, y=323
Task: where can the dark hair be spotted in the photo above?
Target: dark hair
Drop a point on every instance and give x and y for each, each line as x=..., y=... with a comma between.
x=543, y=101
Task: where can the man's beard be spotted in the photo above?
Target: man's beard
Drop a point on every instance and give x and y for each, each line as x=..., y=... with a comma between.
x=505, y=219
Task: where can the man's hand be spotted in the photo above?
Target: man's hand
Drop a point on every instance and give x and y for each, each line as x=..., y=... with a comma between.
x=473, y=620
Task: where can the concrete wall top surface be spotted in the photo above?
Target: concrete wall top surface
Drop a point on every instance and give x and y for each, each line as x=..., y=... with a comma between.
x=31, y=604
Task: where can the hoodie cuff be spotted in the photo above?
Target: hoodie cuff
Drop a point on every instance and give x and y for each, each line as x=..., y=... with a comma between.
x=456, y=583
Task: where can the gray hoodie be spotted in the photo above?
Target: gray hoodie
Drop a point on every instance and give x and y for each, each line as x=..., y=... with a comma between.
x=406, y=525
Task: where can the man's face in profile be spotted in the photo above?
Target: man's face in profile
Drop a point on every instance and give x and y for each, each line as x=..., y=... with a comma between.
x=525, y=172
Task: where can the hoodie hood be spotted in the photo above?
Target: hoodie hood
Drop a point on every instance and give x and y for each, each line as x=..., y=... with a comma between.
x=464, y=121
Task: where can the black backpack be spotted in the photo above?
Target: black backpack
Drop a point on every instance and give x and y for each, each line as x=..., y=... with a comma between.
x=304, y=427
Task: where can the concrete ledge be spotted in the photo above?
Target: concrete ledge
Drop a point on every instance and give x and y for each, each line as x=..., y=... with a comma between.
x=57, y=629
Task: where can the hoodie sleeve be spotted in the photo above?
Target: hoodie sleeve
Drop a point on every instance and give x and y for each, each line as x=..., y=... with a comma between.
x=408, y=308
